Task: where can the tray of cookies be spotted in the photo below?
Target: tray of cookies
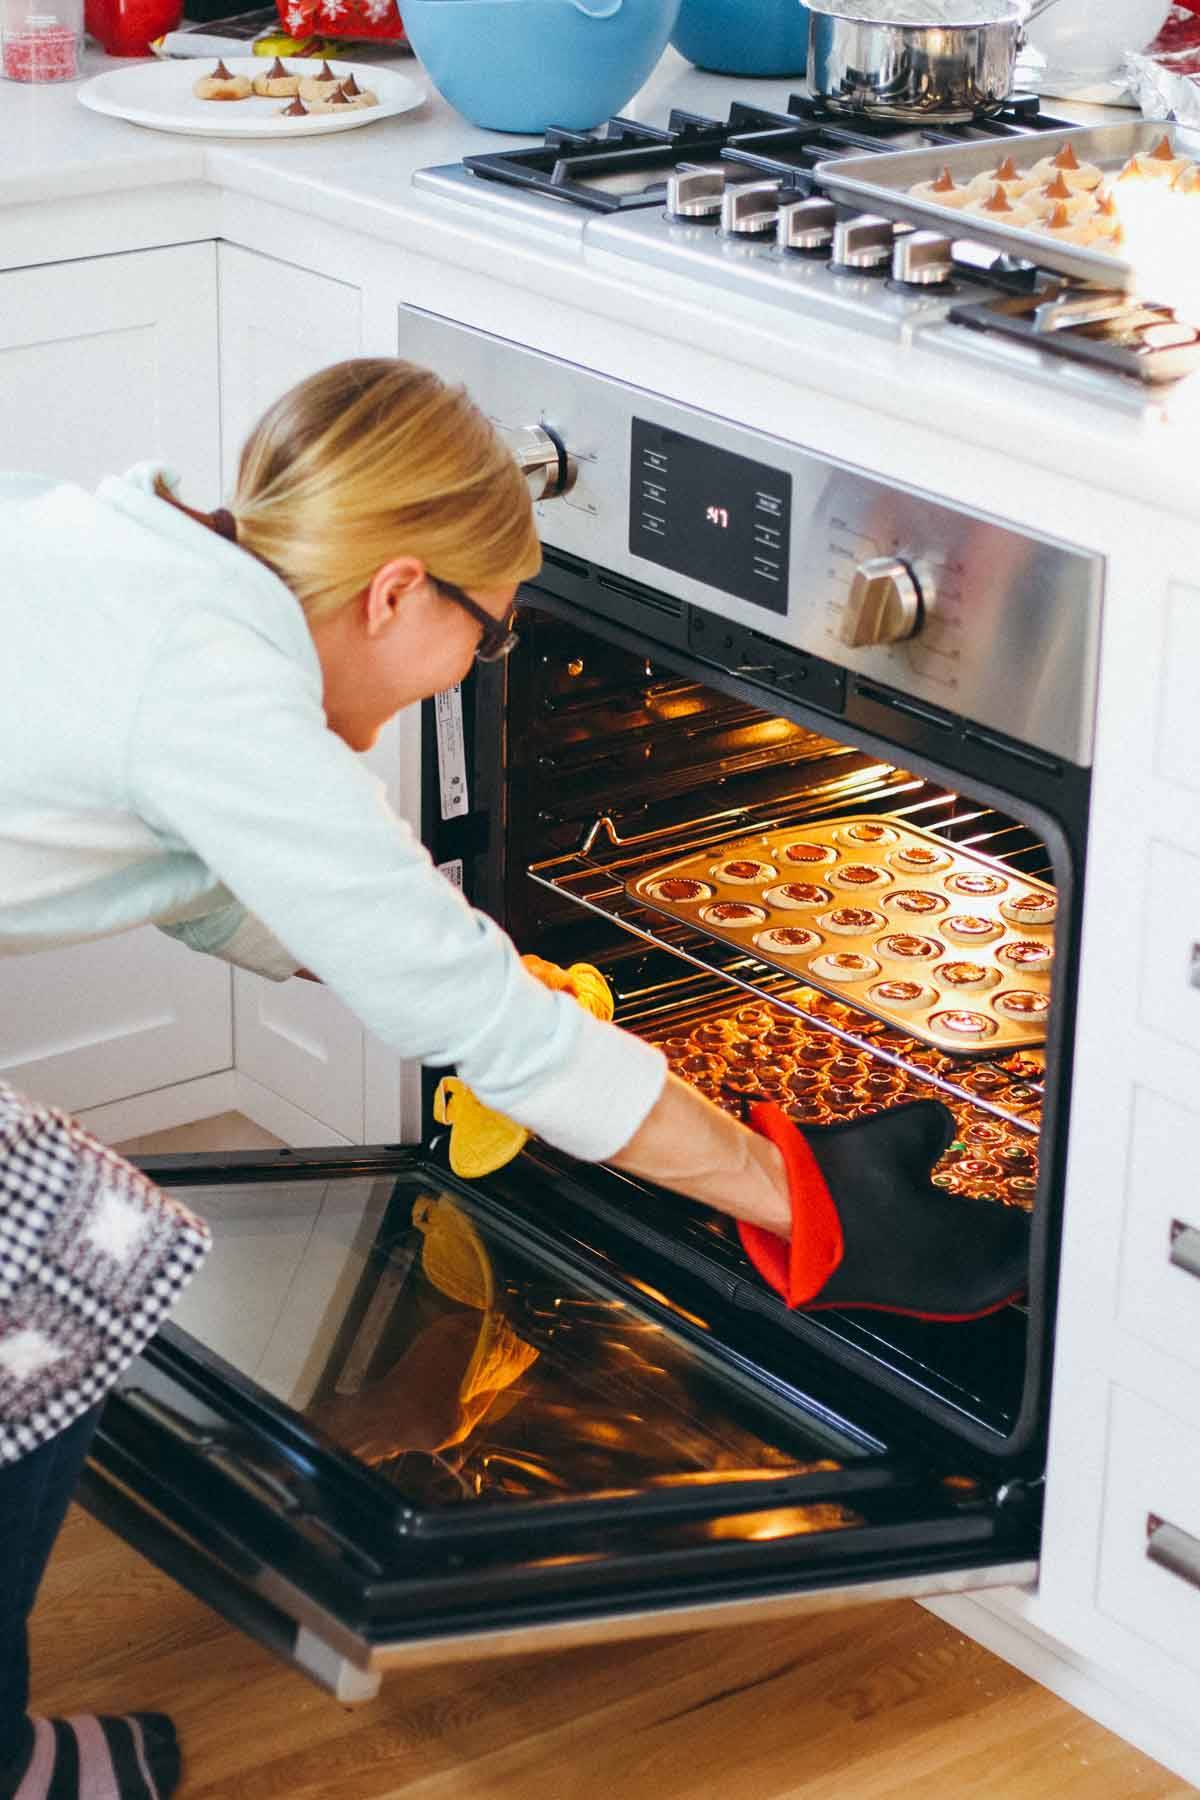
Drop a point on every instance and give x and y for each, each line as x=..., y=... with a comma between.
x=754, y=1051
x=929, y=936
x=1065, y=200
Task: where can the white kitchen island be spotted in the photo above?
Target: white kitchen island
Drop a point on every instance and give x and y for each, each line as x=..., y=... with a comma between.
x=156, y=292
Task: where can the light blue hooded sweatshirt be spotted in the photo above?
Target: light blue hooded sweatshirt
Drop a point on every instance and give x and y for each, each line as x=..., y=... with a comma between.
x=164, y=757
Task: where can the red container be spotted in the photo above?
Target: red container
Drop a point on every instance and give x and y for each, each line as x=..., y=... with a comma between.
x=128, y=27
x=375, y=21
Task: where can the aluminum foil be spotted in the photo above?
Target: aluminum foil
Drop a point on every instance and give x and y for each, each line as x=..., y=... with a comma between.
x=1166, y=86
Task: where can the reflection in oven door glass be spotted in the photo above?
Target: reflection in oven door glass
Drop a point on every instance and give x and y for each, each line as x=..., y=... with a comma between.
x=466, y=1372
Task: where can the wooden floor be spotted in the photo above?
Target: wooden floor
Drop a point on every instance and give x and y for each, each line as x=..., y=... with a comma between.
x=865, y=1705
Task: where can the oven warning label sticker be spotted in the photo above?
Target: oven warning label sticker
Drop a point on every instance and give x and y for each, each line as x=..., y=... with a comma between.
x=452, y=753
x=453, y=871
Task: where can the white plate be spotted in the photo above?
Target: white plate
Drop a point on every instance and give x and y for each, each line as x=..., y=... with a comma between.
x=160, y=96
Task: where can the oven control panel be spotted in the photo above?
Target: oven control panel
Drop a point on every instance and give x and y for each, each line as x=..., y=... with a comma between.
x=949, y=608
x=710, y=514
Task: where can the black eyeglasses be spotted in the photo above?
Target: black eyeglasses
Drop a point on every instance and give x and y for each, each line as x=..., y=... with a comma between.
x=498, y=638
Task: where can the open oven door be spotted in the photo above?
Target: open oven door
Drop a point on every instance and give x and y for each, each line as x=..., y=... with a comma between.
x=403, y=1419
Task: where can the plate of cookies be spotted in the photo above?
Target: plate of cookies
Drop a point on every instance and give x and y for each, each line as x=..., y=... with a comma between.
x=251, y=96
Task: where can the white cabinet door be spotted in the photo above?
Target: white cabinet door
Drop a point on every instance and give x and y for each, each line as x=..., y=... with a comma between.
x=104, y=362
x=279, y=324
x=108, y=361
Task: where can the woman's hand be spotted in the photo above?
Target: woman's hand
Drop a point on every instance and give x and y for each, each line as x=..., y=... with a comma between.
x=687, y=1143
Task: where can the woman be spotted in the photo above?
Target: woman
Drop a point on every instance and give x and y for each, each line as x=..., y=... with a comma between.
x=181, y=700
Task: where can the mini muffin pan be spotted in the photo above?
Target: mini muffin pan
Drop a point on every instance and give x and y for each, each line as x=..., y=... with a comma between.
x=886, y=917
x=753, y=1052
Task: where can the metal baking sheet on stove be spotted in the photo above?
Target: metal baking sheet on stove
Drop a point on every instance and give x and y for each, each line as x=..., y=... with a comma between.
x=881, y=184
x=858, y=867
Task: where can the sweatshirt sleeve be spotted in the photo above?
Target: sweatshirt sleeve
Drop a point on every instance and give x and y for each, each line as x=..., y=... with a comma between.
x=230, y=756
x=237, y=937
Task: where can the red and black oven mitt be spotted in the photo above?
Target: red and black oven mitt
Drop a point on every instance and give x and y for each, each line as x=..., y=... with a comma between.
x=870, y=1230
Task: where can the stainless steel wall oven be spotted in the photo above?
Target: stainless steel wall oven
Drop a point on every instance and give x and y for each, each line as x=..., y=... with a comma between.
x=413, y=1418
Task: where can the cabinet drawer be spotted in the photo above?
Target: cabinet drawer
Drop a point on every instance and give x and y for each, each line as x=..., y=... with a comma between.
x=1149, y=1570
x=1170, y=1002
x=1160, y=1251
x=1179, y=700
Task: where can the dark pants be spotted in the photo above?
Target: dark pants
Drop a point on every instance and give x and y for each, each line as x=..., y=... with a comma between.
x=34, y=1496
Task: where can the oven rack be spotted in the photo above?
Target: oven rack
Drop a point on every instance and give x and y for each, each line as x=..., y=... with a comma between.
x=594, y=878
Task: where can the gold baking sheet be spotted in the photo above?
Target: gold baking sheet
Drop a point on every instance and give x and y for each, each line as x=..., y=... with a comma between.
x=835, y=839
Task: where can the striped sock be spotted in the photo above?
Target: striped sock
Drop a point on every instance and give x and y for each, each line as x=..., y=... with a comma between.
x=89, y=1758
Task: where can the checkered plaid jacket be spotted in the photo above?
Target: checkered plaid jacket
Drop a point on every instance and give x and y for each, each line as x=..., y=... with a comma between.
x=92, y=1257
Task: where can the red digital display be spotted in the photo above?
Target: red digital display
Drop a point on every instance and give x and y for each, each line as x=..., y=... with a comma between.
x=679, y=483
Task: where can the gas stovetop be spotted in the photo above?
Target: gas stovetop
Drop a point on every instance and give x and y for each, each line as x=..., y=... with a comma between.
x=735, y=204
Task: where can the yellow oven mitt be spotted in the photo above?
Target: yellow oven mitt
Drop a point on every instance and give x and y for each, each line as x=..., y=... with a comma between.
x=482, y=1140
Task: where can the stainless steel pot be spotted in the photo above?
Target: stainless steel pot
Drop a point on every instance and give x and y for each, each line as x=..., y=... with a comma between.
x=916, y=72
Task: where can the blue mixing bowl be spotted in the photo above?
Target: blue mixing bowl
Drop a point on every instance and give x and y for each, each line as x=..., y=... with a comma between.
x=743, y=37
x=524, y=65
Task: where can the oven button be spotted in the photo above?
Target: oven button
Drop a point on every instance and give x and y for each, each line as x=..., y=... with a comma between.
x=884, y=606
x=542, y=458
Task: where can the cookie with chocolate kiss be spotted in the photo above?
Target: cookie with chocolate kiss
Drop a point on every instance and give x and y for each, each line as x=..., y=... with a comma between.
x=277, y=84
x=319, y=86
x=222, y=84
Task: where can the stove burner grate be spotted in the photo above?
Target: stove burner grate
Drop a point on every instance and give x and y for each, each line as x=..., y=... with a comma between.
x=624, y=165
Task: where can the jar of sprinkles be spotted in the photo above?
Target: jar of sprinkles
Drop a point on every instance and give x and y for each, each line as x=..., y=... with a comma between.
x=40, y=39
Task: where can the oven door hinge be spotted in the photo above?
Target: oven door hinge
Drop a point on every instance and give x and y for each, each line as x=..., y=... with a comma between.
x=1019, y=1503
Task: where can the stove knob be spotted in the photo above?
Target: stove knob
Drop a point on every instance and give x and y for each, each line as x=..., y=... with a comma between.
x=922, y=259
x=806, y=225
x=695, y=193
x=864, y=242
x=542, y=458
x=750, y=209
x=885, y=604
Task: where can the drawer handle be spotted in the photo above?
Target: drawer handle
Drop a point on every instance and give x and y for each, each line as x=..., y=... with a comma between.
x=1185, y=1247
x=1194, y=970
x=1172, y=1549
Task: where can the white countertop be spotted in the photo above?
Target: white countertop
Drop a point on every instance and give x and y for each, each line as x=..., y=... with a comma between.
x=53, y=150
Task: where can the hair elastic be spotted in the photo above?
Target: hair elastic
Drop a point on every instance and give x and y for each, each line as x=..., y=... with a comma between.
x=224, y=523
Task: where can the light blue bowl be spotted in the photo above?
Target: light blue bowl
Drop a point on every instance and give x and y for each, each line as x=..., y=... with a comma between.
x=524, y=65
x=743, y=37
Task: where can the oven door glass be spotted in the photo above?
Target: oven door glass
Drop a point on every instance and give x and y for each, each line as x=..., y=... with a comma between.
x=401, y=1417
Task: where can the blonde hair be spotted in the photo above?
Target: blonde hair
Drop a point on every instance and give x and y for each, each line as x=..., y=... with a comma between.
x=372, y=459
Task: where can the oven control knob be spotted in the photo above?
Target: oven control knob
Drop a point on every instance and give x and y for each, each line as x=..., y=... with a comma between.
x=885, y=604
x=864, y=242
x=542, y=458
x=695, y=193
x=806, y=225
x=749, y=209
x=922, y=259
